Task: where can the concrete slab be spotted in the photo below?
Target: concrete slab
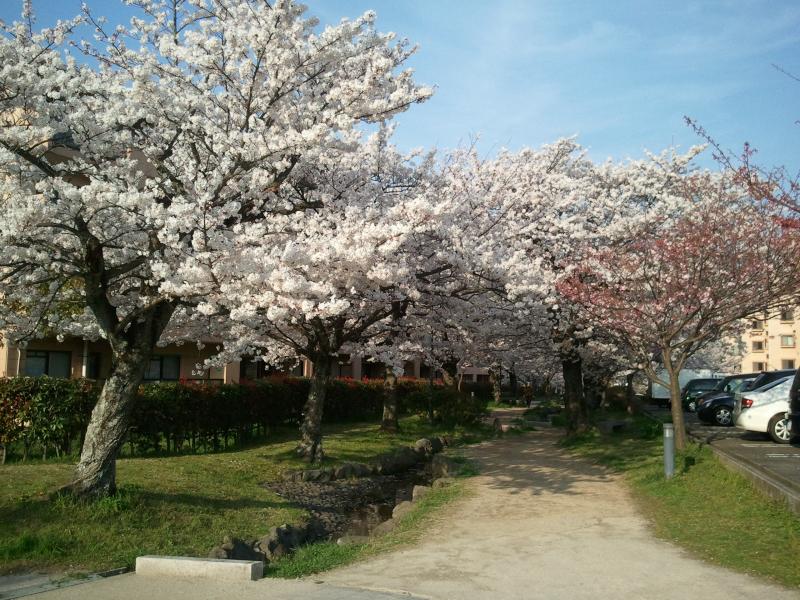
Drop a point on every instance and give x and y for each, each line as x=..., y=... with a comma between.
x=134, y=587
x=199, y=568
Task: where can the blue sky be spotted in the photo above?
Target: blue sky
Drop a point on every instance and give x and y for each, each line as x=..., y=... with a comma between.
x=620, y=75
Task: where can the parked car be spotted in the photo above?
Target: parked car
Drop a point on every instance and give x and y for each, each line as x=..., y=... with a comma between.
x=764, y=409
x=716, y=407
x=768, y=377
x=696, y=388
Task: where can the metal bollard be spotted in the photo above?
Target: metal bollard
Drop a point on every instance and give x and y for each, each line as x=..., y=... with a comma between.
x=669, y=450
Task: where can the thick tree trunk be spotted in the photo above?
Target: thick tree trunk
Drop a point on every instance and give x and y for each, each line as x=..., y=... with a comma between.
x=577, y=414
x=390, y=422
x=95, y=475
x=450, y=372
x=310, y=446
x=495, y=381
x=676, y=408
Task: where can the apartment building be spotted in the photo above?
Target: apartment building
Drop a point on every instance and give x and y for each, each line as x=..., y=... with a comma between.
x=74, y=357
x=771, y=342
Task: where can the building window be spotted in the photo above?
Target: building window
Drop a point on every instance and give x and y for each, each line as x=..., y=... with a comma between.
x=46, y=362
x=758, y=346
x=787, y=341
x=787, y=363
x=163, y=368
x=93, y=366
x=757, y=324
x=787, y=315
x=759, y=366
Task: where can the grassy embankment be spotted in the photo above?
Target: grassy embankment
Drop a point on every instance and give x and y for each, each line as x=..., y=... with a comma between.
x=179, y=505
x=716, y=514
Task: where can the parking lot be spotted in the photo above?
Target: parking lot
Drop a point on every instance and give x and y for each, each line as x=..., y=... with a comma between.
x=779, y=461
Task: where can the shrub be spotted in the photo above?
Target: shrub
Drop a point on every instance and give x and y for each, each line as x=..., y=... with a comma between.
x=43, y=412
x=617, y=397
x=47, y=414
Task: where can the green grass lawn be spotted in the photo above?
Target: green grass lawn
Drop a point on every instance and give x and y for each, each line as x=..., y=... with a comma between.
x=180, y=505
x=716, y=514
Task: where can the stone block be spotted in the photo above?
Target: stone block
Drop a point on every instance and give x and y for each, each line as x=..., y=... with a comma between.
x=199, y=568
x=419, y=492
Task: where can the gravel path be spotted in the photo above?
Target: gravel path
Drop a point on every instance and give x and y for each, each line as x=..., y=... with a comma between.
x=539, y=525
x=544, y=525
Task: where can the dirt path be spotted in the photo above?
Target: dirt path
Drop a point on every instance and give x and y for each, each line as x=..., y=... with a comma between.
x=542, y=525
x=539, y=525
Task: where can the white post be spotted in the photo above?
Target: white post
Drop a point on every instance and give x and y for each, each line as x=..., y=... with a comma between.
x=85, y=365
x=669, y=450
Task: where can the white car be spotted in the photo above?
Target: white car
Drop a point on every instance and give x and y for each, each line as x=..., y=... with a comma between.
x=765, y=409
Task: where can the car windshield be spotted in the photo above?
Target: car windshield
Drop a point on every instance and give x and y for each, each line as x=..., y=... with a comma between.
x=720, y=387
x=736, y=384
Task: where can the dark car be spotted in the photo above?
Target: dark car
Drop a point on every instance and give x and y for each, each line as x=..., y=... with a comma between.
x=716, y=407
x=768, y=377
x=695, y=388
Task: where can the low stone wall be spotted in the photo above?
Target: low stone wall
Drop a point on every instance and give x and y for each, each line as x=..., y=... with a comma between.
x=390, y=463
x=282, y=540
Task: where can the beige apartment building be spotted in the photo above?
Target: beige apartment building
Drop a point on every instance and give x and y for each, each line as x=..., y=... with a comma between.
x=73, y=358
x=771, y=342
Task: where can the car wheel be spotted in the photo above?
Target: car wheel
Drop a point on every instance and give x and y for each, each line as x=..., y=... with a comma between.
x=778, y=429
x=723, y=416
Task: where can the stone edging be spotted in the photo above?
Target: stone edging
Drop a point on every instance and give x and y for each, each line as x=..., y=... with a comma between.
x=388, y=463
x=286, y=538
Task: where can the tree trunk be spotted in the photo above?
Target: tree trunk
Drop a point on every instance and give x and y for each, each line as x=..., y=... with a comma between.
x=632, y=406
x=591, y=391
x=577, y=414
x=310, y=446
x=95, y=475
x=676, y=408
x=494, y=380
x=449, y=373
x=512, y=383
x=389, y=423
x=430, y=398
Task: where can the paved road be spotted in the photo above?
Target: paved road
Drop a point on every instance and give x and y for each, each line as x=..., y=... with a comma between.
x=539, y=524
x=776, y=460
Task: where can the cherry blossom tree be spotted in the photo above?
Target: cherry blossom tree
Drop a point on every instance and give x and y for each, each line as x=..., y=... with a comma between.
x=127, y=178
x=701, y=257
x=330, y=280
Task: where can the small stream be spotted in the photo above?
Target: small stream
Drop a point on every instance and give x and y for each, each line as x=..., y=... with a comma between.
x=351, y=507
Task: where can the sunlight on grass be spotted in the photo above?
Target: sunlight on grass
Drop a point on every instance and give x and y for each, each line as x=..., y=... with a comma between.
x=713, y=512
x=166, y=505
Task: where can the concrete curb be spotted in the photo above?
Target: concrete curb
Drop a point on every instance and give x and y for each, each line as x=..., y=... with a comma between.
x=772, y=484
x=207, y=568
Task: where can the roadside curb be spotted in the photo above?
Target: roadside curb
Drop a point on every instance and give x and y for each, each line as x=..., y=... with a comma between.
x=772, y=484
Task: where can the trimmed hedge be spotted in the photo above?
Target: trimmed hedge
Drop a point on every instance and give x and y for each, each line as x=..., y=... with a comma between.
x=49, y=414
x=43, y=412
